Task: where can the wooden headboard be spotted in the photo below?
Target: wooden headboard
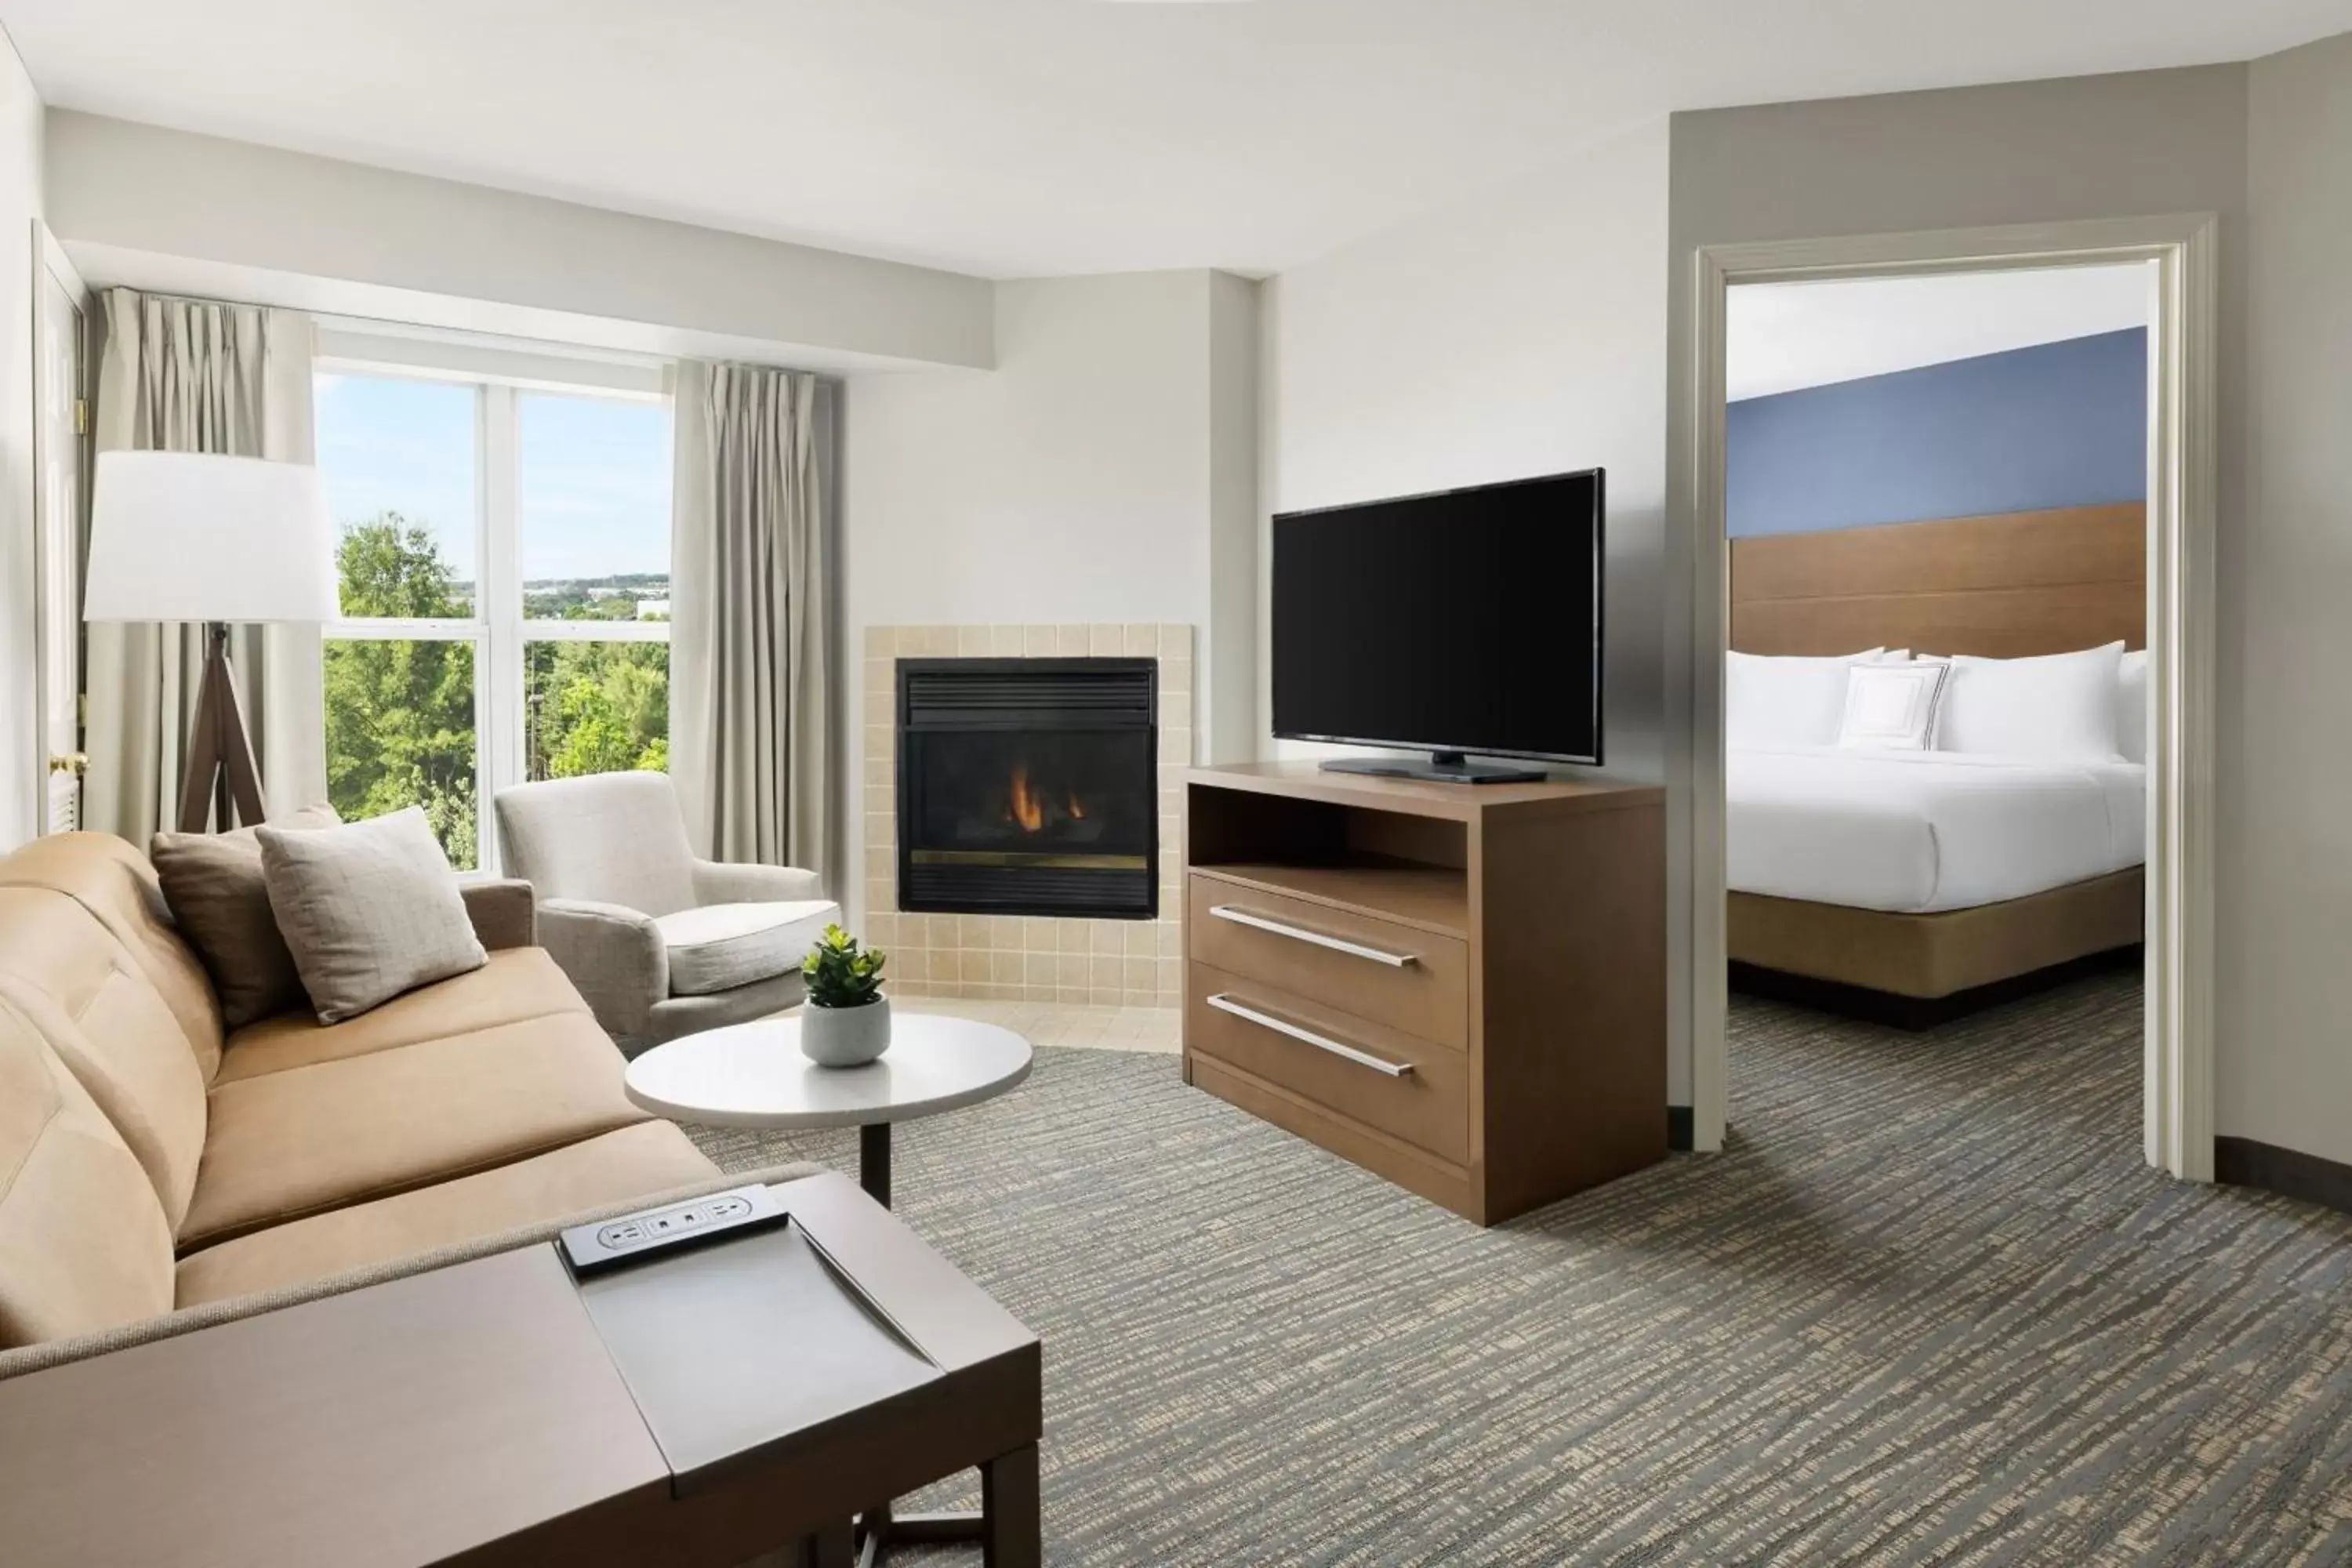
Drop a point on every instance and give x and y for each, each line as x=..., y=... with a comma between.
x=2004, y=586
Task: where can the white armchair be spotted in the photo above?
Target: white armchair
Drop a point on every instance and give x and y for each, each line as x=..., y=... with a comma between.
x=660, y=942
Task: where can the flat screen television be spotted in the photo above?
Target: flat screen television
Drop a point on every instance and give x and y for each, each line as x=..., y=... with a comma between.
x=1465, y=623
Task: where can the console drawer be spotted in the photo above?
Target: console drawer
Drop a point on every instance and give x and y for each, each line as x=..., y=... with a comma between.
x=1411, y=1089
x=1410, y=980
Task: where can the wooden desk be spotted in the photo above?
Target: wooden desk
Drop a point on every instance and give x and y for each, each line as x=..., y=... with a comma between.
x=472, y=1415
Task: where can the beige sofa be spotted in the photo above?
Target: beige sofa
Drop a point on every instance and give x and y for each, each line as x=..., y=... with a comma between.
x=148, y=1164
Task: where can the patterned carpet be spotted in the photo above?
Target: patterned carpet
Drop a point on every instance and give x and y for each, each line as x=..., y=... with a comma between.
x=1929, y=1307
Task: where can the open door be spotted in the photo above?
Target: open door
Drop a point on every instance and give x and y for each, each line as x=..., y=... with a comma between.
x=60, y=508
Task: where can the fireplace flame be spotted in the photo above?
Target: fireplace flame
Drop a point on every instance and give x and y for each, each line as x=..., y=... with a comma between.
x=1028, y=808
x=1077, y=812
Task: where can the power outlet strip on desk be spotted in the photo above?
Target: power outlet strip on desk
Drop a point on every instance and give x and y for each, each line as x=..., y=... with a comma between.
x=628, y=1238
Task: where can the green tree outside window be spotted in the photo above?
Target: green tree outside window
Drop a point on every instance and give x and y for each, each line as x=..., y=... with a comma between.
x=400, y=716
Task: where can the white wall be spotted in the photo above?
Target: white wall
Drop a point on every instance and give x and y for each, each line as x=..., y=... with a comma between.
x=1071, y=483
x=1228, y=724
x=21, y=748
x=168, y=209
x=2285, y=885
x=1785, y=337
x=1077, y=483
x=1523, y=333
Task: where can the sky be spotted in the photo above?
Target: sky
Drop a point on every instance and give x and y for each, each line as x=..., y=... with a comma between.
x=593, y=481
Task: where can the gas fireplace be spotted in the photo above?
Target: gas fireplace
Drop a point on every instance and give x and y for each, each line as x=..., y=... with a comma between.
x=1027, y=786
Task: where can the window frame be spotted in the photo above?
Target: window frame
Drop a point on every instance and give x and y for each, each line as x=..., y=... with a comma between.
x=498, y=629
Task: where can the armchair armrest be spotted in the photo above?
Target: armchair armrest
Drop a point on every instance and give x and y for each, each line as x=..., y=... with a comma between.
x=615, y=956
x=721, y=882
x=502, y=911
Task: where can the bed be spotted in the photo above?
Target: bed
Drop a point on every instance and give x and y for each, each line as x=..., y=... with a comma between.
x=1911, y=885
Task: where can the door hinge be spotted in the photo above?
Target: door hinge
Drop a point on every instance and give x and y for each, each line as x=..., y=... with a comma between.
x=81, y=415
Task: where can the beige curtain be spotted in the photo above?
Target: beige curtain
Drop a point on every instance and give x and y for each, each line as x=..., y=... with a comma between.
x=188, y=375
x=748, y=586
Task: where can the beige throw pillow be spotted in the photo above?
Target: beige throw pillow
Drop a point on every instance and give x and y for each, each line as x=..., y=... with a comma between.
x=370, y=911
x=212, y=883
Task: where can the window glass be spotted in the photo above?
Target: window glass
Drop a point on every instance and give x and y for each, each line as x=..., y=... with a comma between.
x=585, y=623
x=593, y=502
x=594, y=707
x=398, y=458
x=400, y=732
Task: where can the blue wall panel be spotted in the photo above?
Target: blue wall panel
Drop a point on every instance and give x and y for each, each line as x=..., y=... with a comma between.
x=2056, y=425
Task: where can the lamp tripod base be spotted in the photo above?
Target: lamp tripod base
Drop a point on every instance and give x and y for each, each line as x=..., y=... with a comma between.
x=220, y=776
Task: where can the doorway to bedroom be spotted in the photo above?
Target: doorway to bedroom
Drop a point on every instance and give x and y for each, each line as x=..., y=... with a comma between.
x=1936, y=698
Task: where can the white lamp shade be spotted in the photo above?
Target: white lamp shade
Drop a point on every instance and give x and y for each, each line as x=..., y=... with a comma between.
x=192, y=536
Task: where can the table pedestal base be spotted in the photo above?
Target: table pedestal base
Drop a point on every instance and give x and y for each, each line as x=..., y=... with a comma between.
x=883, y=1529
x=1007, y=1526
x=874, y=1160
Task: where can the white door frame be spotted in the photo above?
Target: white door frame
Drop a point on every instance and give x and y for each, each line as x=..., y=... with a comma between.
x=2182, y=491
x=50, y=260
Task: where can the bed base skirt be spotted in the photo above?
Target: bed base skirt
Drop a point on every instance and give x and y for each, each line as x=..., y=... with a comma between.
x=1953, y=958
x=1916, y=1015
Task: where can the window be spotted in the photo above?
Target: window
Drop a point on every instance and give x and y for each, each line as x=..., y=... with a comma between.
x=593, y=508
x=505, y=564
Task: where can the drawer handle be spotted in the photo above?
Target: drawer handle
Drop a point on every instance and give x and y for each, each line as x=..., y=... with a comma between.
x=1321, y=939
x=1225, y=1003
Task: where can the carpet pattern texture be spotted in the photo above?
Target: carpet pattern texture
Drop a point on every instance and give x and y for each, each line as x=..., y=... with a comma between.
x=1930, y=1306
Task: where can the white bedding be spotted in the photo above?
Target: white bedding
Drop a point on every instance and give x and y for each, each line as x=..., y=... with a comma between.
x=1919, y=831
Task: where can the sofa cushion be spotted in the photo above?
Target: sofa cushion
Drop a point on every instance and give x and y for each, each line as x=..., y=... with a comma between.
x=369, y=910
x=335, y=1133
x=212, y=883
x=516, y=984
x=640, y=1161
x=115, y=1035
x=720, y=946
x=84, y=1244
x=117, y=888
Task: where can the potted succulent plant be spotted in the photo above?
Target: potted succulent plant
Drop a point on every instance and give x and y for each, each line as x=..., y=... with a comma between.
x=846, y=1023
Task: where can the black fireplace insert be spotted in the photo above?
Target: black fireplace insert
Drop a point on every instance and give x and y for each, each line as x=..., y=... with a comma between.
x=1028, y=786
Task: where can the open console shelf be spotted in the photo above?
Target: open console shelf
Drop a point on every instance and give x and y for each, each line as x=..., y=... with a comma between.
x=1460, y=988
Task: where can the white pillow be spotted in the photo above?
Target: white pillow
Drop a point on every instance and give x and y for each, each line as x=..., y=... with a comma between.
x=2131, y=706
x=2060, y=707
x=1892, y=707
x=1780, y=701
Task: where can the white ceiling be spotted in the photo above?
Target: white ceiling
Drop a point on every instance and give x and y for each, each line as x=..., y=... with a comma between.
x=1012, y=137
x=1780, y=337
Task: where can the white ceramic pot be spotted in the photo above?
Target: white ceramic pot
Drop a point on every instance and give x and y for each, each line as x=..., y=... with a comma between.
x=846, y=1036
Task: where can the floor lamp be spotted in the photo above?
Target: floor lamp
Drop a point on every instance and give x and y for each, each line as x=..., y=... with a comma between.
x=193, y=536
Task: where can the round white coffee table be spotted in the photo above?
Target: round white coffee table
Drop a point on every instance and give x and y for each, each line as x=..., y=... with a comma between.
x=754, y=1075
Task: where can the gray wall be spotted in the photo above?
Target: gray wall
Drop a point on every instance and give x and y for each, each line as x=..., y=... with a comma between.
x=2285, y=890
x=2268, y=147
x=2134, y=144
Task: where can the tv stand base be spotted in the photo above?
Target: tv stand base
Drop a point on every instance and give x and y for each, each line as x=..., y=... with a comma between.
x=1443, y=767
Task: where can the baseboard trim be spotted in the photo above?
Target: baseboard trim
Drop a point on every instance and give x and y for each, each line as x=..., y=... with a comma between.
x=1680, y=1137
x=2290, y=1172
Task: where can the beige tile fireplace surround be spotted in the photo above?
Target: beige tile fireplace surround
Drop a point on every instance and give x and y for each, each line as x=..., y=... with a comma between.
x=1004, y=958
